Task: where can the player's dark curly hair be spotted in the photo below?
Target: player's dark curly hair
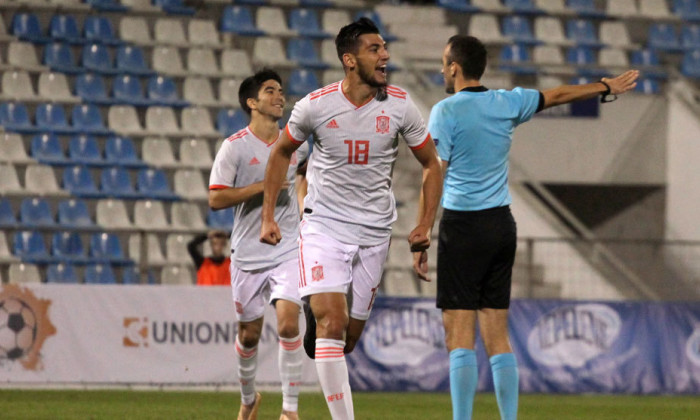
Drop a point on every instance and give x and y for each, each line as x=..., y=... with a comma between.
x=469, y=53
x=251, y=86
x=347, y=40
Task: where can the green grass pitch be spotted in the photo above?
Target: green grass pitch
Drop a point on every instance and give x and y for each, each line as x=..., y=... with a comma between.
x=39, y=404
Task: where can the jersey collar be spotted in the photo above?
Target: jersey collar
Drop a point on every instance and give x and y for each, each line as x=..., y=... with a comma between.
x=474, y=89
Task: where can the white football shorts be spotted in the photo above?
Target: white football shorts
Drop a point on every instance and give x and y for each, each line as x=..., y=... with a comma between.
x=327, y=265
x=251, y=289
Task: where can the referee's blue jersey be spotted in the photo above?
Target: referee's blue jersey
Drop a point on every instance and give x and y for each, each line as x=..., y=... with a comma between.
x=473, y=131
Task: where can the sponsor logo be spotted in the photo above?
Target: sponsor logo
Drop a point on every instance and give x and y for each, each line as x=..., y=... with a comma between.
x=572, y=335
x=332, y=124
x=24, y=327
x=382, y=124
x=254, y=161
x=335, y=397
x=692, y=347
x=317, y=273
x=135, y=332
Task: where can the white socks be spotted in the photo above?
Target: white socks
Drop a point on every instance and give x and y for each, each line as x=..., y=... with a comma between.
x=333, y=376
x=247, y=368
x=290, y=359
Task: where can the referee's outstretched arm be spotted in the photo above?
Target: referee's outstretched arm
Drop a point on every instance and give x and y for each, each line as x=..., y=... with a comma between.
x=607, y=87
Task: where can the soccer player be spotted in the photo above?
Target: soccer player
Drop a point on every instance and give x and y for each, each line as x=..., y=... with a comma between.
x=259, y=272
x=349, y=208
x=214, y=269
x=477, y=239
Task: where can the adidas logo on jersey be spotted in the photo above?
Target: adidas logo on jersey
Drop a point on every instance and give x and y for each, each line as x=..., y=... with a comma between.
x=254, y=161
x=332, y=124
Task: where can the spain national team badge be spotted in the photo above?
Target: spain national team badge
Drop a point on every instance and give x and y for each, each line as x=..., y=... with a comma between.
x=382, y=124
x=317, y=273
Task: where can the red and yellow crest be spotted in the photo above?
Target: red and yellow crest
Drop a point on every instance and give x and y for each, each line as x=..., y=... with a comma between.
x=382, y=124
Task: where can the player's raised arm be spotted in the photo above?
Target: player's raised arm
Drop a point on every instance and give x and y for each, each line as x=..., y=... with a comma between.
x=275, y=174
x=608, y=87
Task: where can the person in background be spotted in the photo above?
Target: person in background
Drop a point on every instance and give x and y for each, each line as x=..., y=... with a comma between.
x=214, y=269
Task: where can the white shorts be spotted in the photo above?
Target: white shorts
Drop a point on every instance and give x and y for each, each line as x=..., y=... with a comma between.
x=251, y=289
x=327, y=265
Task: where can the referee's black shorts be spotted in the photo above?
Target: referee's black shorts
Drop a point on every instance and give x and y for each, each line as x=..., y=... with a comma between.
x=476, y=251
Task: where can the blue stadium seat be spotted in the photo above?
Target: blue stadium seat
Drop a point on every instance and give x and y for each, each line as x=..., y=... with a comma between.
x=105, y=247
x=68, y=248
x=690, y=37
x=687, y=9
x=463, y=6
x=131, y=275
x=91, y=88
x=7, y=216
x=95, y=58
x=14, y=117
x=64, y=28
x=73, y=214
x=130, y=60
x=99, y=274
x=648, y=62
x=83, y=150
x=30, y=247
x=648, y=86
x=35, y=212
x=120, y=150
x=663, y=36
x=522, y=6
x=46, y=148
x=88, y=120
x=584, y=59
x=228, y=121
x=116, y=182
x=582, y=32
x=51, y=118
x=690, y=66
x=61, y=274
x=162, y=91
x=519, y=30
x=127, y=89
x=78, y=180
x=239, y=20
x=26, y=27
x=305, y=22
x=152, y=183
x=316, y=3
x=374, y=17
x=176, y=7
x=516, y=58
x=59, y=57
x=107, y=5
x=303, y=52
x=220, y=219
x=99, y=29
x=301, y=82
x=585, y=8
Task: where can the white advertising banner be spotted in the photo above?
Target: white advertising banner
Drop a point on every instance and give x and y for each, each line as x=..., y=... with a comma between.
x=141, y=335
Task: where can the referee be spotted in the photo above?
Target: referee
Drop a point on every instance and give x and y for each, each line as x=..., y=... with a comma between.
x=476, y=248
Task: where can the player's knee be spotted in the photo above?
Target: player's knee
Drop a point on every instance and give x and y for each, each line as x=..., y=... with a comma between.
x=249, y=337
x=332, y=326
x=287, y=328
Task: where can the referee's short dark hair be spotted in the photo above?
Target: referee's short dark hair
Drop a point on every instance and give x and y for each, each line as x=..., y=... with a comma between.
x=347, y=39
x=251, y=86
x=469, y=53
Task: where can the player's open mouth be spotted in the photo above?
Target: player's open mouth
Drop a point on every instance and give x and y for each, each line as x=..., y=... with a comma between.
x=382, y=69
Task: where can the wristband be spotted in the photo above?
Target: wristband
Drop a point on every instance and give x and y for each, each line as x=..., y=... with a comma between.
x=606, y=96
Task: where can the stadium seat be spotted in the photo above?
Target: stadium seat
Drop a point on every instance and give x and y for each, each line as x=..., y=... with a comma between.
x=96, y=58
x=61, y=273
x=91, y=88
x=21, y=273
x=99, y=274
x=130, y=60
x=120, y=150
x=186, y=216
x=690, y=66
x=14, y=117
x=134, y=29
x=154, y=253
x=316, y=3
x=198, y=91
x=175, y=7
x=690, y=37
x=78, y=180
x=106, y=248
x=581, y=32
x=584, y=59
x=83, y=150
x=131, y=275
x=123, y=118
x=400, y=283
x=26, y=27
x=518, y=29
x=46, y=148
x=550, y=31
x=98, y=29
x=73, y=214
x=59, y=57
x=302, y=52
x=5, y=254
x=613, y=59
x=201, y=61
x=111, y=214
x=7, y=215
x=229, y=121
x=36, y=213
x=271, y=21
x=176, y=275
x=486, y=28
x=17, y=86
x=522, y=6
x=12, y=148
x=169, y=31
x=190, y=184
x=615, y=34
x=648, y=86
x=127, y=89
x=329, y=54
x=649, y=63
x=516, y=58
x=586, y=8
x=374, y=17
x=238, y=20
x=268, y=51
x=162, y=120
x=462, y=6
x=162, y=91
x=655, y=9
x=152, y=183
x=228, y=91
x=332, y=76
x=688, y=10
x=202, y=32
x=622, y=8
x=552, y=7
x=23, y=55
x=157, y=152
x=64, y=28
x=663, y=36
x=167, y=60
x=88, y=120
x=54, y=87
x=305, y=23
x=220, y=219
x=141, y=6
x=9, y=181
x=195, y=153
x=108, y=5
x=67, y=247
x=40, y=179
x=197, y=122
x=30, y=247
x=116, y=182
x=548, y=55
x=52, y=118
x=334, y=19
x=301, y=82
x=236, y=63
x=176, y=249
x=150, y=215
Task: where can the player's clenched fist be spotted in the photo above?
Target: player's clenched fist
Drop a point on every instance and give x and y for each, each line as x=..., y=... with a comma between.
x=419, y=238
x=270, y=232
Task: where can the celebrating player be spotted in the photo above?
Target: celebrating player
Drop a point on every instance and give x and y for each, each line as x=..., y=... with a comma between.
x=258, y=271
x=349, y=208
x=476, y=248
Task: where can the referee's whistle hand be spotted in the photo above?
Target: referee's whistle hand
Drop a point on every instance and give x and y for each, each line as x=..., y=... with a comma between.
x=419, y=239
x=420, y=265
x=270, y=233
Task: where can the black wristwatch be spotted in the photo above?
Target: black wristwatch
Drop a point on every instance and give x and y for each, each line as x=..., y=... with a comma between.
x=606, y=96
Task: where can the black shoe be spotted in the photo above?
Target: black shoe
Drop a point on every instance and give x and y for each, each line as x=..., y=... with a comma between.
x=310, y=334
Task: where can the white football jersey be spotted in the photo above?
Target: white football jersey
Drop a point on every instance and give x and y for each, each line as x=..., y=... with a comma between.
x=241, y=161
x=349, y=193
